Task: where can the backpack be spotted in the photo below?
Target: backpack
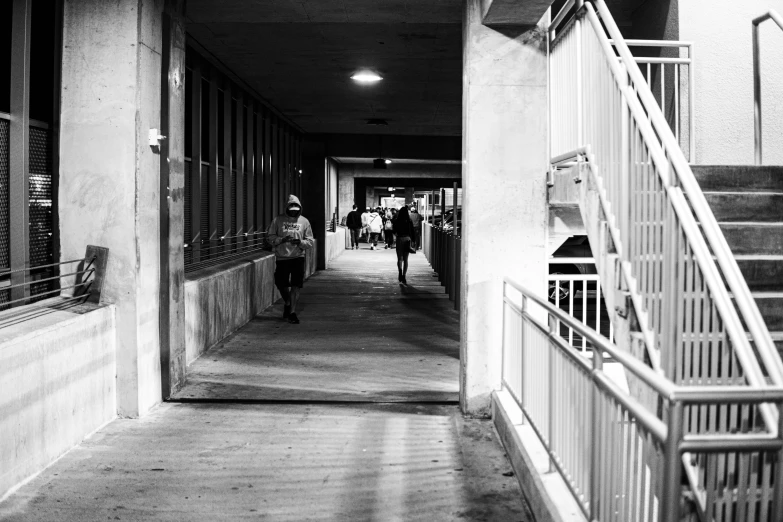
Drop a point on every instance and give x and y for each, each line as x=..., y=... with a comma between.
x=389, y=225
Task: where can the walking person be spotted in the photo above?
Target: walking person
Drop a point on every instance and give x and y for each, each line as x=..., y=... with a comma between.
x=365, y=217
x=354, y=224
x=290, y=234
x=388, y=230
x=403, y=227
x=375, y=225
x=416, y=220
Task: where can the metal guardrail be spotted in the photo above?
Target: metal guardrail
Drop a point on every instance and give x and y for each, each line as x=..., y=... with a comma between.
x=212, y=252
x=778, y=19
x=442, y=249
x=73, y=282
x=620, y=460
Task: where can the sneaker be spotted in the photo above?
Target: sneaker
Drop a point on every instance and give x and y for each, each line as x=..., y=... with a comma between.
x=293, y=319
x=404, y=281
x=286, y=311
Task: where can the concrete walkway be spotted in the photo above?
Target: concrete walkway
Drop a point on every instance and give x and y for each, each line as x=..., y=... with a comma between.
x=362, y=338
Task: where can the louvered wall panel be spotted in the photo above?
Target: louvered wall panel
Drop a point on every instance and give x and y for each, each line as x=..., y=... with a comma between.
x=41, y=207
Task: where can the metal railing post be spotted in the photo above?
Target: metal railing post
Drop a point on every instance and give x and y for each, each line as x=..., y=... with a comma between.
x=777, y=496
x=595, y=475
x=522, y=356
x=553, y=332
x=757, y=96
x=672, y=467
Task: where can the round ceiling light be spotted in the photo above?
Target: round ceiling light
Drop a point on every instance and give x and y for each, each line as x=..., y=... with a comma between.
x=366, y=77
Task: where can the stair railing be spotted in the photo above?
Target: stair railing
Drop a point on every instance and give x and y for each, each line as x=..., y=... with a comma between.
x=775, y=17
x=619, y=460
x=658, y=222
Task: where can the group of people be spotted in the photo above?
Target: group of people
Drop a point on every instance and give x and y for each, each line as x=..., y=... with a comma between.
x=401, y=229
x=370, y=224
x=290, y=235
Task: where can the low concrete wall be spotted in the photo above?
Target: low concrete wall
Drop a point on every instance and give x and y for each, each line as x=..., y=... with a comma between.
x=545, y=491
x=221, y=299
x=57, y=385
x=335, y=244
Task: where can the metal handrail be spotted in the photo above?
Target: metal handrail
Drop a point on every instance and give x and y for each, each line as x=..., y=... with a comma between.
x=650, y=377
x=677, y=447
x=681, y=183
x=778, y=19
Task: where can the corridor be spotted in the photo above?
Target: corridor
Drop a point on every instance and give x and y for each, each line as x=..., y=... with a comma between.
x=351, y=415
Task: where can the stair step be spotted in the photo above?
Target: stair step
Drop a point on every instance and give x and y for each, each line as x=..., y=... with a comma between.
x=746, y=206
x=754, y=238
x=762, y=273
x=771, y=307
x=739, y=178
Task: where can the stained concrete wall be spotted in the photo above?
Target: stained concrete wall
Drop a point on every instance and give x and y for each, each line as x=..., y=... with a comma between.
x=109, y=193
x=335, y=244
x=221, y=299
x=57, y=385
x=504, y=165
x=724, y=80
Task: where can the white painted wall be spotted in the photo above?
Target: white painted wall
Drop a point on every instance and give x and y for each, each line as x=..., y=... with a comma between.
x=721, y=32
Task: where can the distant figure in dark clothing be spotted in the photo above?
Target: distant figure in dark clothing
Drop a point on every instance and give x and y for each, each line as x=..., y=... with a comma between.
x=403, y=227
x=416, y=220
x=354, y=224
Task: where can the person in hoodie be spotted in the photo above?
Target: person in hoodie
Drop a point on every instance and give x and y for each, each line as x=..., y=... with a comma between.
x=290, y=234
x=375, y=224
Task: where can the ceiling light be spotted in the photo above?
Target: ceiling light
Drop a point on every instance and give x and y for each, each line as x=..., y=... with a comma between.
x=388, y=162
x=379, y=163
x=366, y=77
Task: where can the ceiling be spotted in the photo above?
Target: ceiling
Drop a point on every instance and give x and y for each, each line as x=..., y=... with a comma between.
x=299, y=56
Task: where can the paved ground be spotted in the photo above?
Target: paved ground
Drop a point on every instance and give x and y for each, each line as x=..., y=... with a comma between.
x=362, y=338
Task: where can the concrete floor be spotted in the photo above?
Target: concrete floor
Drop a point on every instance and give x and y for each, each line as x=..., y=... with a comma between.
x=221, y=461
x=363, y=337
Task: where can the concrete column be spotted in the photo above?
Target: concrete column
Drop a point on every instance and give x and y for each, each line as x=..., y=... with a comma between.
x=314, y=196
x=504, y=134
x=109, y=191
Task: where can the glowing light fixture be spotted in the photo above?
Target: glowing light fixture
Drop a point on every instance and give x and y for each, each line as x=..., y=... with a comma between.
x=388, y=162
x=366, y=77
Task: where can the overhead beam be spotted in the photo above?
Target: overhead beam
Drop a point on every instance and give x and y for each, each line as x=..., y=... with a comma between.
x=525, y=13
x=391, y=146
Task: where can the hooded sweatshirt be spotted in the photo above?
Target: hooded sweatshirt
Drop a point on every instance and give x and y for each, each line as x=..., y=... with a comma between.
x=295, y=227
x=375, y=222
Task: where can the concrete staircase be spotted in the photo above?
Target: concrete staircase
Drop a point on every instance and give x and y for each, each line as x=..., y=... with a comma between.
x=748, y=204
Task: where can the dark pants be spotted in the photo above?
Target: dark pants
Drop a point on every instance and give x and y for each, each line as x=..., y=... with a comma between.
x=416, y=239
x=374, y=238
x=389, y=237
x=355, y=234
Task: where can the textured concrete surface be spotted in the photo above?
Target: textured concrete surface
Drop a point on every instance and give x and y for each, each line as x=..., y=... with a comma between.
x=57, y=385
x=504, y=83
x=363, y=337
x=283, y=462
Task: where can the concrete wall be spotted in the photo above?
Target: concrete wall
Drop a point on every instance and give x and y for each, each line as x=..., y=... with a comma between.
x=109, y=192
x=221, y=299
x=724, y=80
x=57, y=385
x=335, y=244
x=504, y=113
